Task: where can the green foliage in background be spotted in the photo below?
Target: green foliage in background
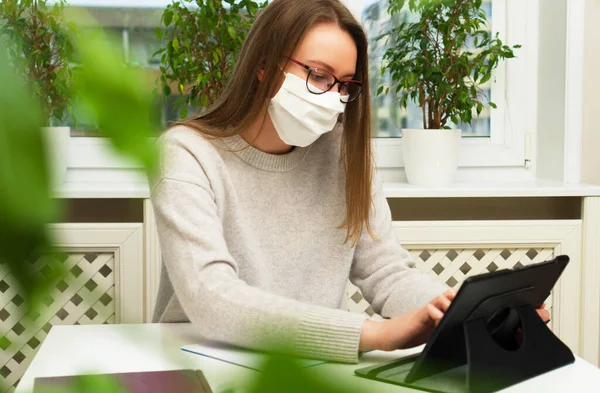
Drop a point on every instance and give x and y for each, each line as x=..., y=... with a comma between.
x=440, y=60
x=40, y=47
x=203, y=39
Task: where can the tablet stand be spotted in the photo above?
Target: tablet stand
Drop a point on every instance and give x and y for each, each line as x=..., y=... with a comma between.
x=489, y=367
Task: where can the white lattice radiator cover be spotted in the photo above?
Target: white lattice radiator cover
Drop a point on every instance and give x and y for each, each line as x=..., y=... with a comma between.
x=453, y=266
x=84, y=296
x=87, y=294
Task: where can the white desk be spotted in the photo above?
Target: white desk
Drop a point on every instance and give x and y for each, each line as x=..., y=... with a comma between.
x=72, y=350
x=103, y=349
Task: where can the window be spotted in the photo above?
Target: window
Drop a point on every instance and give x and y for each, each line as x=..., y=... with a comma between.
x=377, y=21
x=497, y=137
x=133, y=23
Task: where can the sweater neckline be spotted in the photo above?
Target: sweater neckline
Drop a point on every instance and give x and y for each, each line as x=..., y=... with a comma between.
x=265, y=161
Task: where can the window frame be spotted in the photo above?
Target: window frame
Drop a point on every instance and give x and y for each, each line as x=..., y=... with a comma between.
x=479, y=158
x=514, y=91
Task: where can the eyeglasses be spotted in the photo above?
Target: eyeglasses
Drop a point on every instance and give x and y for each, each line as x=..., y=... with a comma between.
x=320, y=81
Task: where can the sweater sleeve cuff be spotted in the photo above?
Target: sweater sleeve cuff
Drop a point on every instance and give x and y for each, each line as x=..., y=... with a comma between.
x=334, y=336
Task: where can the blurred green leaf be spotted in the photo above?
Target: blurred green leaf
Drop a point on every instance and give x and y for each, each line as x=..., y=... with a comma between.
x=86, y=384
x=167, y=17
x=485, y=78
x=286, y=374
x=231, y=32
x=98, y=384
x=218, y=54
x=4, y=343
x=166, y=90
x=25, y=203
x=117, y=98
x=204, y=100
x=183, y=112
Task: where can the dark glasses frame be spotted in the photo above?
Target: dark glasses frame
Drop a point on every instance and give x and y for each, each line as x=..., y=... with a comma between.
x=337, y=81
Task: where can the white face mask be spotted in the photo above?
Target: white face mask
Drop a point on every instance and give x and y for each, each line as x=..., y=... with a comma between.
x=301, y=117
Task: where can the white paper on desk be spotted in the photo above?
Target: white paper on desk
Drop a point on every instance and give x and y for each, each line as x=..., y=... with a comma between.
x=238, y=356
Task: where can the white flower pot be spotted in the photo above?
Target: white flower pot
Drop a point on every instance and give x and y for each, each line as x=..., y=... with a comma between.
x=430, y=156
x=56, y=141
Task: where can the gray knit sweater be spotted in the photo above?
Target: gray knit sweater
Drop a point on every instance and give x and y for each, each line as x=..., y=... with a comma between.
x=252, y=250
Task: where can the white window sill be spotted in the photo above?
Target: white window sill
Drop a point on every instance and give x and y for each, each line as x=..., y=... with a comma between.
x=102, y=190
x=94, y=171
x=135, y=190
x=526, y=189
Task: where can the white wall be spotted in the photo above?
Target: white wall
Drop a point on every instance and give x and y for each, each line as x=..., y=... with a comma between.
x=590, y=167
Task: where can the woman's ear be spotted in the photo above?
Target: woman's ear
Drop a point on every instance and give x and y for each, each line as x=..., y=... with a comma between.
x=260, y=74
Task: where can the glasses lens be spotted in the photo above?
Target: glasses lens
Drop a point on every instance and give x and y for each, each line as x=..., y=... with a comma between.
x=349, y=91
x=319, y=81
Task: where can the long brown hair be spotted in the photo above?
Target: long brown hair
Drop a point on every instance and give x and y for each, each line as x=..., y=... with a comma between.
x=271, y=41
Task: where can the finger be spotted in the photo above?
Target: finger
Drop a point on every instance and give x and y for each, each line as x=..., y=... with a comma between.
x=544, y=314
x=450, y=294
x=442, y=303
x=434, y=313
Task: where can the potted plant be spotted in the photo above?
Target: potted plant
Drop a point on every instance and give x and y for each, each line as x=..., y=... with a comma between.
x=40, y=49
x=440, y=59
x=203, y=39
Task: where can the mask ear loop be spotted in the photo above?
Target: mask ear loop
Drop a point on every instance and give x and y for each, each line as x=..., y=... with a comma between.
x=281, y=83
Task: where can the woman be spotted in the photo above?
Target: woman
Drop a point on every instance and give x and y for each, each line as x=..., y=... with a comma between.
x=265, y=203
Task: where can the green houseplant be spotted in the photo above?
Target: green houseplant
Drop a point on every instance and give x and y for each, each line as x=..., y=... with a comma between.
x=440, y=61
x=203, y=38
x=40, y=48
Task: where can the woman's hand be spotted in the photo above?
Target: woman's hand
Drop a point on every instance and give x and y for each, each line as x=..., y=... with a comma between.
x=414, y=328
x=543, y=313
x=408, y=330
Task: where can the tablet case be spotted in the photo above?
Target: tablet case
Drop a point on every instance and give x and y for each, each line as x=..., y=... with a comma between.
x=173, y=381
x=476, y=348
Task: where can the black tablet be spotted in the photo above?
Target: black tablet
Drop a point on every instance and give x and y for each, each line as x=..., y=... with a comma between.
x=491, y=297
